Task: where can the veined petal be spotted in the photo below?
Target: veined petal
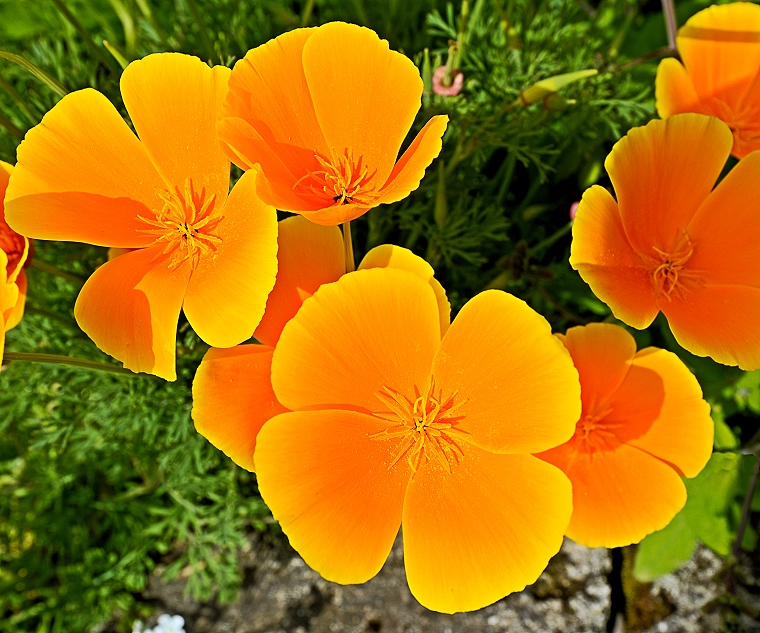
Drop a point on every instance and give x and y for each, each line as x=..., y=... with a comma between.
x=369, y=330
x=233, y=398
x=174, y=101
x=330, y=487
x=674, y=90
x=336, y=214
x=228, y=289
x=83, y=176
x=8, y=298
x=520, y=386
x=484, y=530
x=130, y=308
x=14, y=314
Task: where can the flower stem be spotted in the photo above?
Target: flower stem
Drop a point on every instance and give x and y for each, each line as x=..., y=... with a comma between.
x=743, y=524
x=349, y=247
x=55, y=359
x=536, y=249
x=671, y=21
x=40, y=265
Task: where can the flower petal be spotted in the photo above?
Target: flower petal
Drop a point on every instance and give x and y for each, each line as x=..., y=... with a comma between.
x=130, y=308
x=329, y=486
x=682, y=435
x=174, y=101
x=484, y=530
x=228, y=289
x=365, y=96
x=371, y=329
x=14, y=314
x=674, y=90
x=662, y=173
x=521, y=389
x=309, y=255
x=83, y=176
x=603, y=256
x=233, y=398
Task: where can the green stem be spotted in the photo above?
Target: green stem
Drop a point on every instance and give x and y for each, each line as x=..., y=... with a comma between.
x=349, y=247
x=201, y=28
x=70, y=361
x=52, y=270
x=746, y=509
x=12, y=129
x=551, y=239
x=306, y=13
x=33, y=119
x=36, y=71
x=32, y=310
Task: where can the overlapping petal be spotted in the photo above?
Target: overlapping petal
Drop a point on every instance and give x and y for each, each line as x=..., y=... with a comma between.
x=674, y=90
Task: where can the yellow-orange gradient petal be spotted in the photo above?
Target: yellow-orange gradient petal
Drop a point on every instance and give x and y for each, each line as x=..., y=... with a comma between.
x=228, y=289
x=14, y=314
x=233, y=398
x=682, y=435
x=371, y=329
x=8, y=298
x=604, y=258
x=308, y=256
x=336, y=213
x=521, y=388
x=619, y=496
x=674, y=90
x=662, y=173
x=174, y=101
x=390, y=256
x=328, y=484
x=365, y=96
x=83, y=176
x=719, y=322
x=484, y=530
x=130, y=306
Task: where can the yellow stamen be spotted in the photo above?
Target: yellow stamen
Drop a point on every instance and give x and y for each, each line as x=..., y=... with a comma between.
x=342, y=180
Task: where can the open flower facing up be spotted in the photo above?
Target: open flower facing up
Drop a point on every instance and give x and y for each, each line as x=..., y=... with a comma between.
x=644, y=425
x=673, y=243
x=83, y=176
x=324, y=112
x=720, y=73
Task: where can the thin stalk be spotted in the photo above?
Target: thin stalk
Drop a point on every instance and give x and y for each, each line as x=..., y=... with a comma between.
x=671, y=21
x=349, y=247
x=660, y=52
x=202, y=28
x=19, y=101
x=122, y=61
x=52, y=270
x=12, y=129
x=306, y=13
x=128, y=24
x=69, y=361
x=742, y=524
x=32, y=310
x=36, y=71
x=545, y=243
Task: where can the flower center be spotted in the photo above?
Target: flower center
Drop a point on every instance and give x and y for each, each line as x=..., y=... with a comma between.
x=341, y=179
x=594, y=434
x=426, y=425
x=669, y=271
x=185, y=225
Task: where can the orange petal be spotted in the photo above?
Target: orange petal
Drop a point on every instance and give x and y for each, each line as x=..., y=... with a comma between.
x=725, y=229
x=365, y=96
x=228, y=289
x=174, y=101
x=130, y=307
x=719, y=322
x=619, y=496
x=329, y=486
x=14, y=314
x=674, y=90
x=233, y=398
x=635, y=404
x=410, y=168
x=659, y=184
x=336, y=214
x=603, y=256
x=390, y=256
x=309, y=255
x=369, y=330
x=521, y=389
x=682, y=435
x=484, y=530
x=83, y=176
x=9, y=294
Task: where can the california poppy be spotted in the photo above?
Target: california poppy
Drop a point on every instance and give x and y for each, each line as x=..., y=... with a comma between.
x=644, y=425
x=719, y=74
x=324, y=112
x=674, y=244
x=82, y=175
x=232, y=390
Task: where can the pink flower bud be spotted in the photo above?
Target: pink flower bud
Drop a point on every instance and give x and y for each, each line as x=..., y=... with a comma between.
x=440, y=88
x=574, y=210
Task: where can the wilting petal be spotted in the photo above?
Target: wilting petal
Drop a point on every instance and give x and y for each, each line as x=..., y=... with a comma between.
x=14, y=315
x=484, y=530
x=174, y=101
x=371, y=329
x=308, y=256
x=674, y=90
x=662, y=173
x=521, y=389
x=365, y=96
x=228, y=289
x=603, y=256
x=328, y=484
x=130, y=308
x=233, y=398
x=682, y=435
x=83, y=176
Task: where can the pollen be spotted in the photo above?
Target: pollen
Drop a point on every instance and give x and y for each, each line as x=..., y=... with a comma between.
x=341, y=179
x=427, y=427
x=670, y=273
x=185, y=225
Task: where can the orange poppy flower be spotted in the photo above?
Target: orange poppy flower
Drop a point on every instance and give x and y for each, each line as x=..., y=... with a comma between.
x=674, y=244
x=82, y=175
x=644, y=425
x=324, y=112
x=720, y=73
x=232, y=390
